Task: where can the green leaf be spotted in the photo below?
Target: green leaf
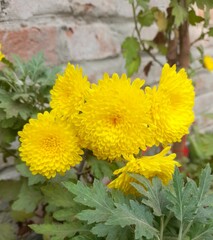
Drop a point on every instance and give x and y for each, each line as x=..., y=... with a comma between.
x=7, y=232
x=135, y=214
x=112, y=232
x=201, y=232
x=179, y=13
x=59, y=231
x=13, y=108
x=145, y=18
x=7, y=135
x=85, y=236
x=32, y=179
x=28, y=199
x=152, y=192
x=57, y=195
x=131, y=52
x=67, y=214
x=143, y=3
x=21, y=216
x=193, y=18
x=205, y=182
x=202, y=4
x=96, y=197
x=184, y=199
x=210, y=32
x=101, y=169
x=9, y=189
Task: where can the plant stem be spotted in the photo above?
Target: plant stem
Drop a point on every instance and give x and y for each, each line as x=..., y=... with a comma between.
x=139, y=37
x=161, y=227
x=180, y=235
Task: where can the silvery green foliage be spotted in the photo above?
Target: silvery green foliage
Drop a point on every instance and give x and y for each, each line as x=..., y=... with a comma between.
x=24, y=91
x=181, y=210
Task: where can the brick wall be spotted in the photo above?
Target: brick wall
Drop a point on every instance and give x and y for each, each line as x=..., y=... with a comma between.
x=87, y=32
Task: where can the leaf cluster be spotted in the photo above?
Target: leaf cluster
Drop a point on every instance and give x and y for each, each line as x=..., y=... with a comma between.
x=166, y=40
x=24, y=91
x=182, y=210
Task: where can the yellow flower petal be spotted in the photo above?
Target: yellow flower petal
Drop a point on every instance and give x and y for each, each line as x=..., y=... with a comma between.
x=115, y=118
x=171, y=105
x=69, y=92
x=149, y=166
x=208, y=62
x=49, y=145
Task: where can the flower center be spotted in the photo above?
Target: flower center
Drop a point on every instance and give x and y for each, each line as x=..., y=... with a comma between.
x=51, y=143
x=115, y=120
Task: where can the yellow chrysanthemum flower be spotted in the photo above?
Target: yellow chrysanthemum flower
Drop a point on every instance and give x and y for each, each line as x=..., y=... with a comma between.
x=115, y=118
x=1, y=54
x=208, y=62
x=49, y=145
x=148, y=166
x=69, y=92
x=172, y=105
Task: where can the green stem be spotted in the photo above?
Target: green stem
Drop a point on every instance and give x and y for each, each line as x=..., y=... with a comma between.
x=139, y=37
x=180, y=235
x=167, y=219
x=161, y=227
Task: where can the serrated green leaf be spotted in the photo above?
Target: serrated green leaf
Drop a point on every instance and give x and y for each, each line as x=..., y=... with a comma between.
x=32, y=179
x=204, y=182
x=28, y=199
x=59, y=231
x=179, y=13
x=95, y=197
x=7, y=232
x=94, y=215
x=135, y=214
x=201, y=232
x=131, y=52
x=57, y=195
x=184, y=199
x=152, y=193
x=113, y=232
x=145, y=18
x=11, y=107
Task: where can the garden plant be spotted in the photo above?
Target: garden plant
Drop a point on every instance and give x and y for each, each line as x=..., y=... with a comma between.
x=96, y=160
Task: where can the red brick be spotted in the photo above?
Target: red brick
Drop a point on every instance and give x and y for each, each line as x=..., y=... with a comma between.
x=28, y=41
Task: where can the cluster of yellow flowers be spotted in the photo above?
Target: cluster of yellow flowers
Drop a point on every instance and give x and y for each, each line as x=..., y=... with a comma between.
x=115, y=119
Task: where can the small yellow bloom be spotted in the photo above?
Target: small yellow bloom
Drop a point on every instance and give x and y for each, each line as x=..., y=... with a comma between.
x=208, y=62
x=1, y=54
x=49, y=145
x=171, y=105
x=148, y=166
x=69, y=92
x=115, y=119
